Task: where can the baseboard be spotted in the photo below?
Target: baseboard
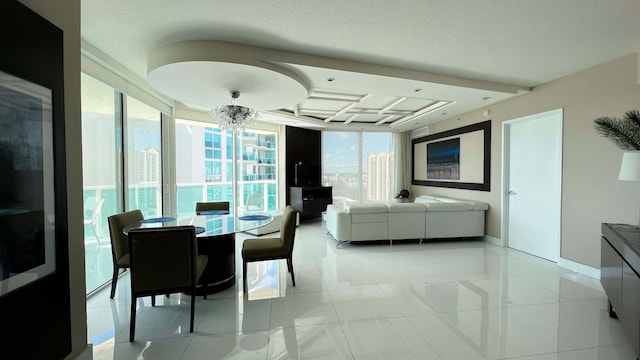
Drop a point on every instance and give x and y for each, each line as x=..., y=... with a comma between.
x=493, y=240
x=579, y=268
x=565, y=263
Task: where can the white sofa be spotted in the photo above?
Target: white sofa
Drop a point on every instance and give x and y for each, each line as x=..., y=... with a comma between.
x=428, y=217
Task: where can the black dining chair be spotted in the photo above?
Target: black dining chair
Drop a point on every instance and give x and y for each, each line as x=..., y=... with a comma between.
x=164, y=261
x=260, y=249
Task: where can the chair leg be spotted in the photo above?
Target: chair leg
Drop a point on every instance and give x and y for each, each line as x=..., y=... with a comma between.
x=290, y=265
x=193, y=308
x=132, y=326
x=153, y=300
x=244, y=276
x=114, y=280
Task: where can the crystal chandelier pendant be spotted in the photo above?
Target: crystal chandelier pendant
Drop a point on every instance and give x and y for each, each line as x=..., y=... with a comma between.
x=234, y=117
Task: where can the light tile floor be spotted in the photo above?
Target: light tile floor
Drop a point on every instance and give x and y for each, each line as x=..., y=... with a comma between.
x=453, y=300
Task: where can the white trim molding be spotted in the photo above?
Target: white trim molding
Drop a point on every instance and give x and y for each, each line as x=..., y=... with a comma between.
x=493, y=240
x=579, y=268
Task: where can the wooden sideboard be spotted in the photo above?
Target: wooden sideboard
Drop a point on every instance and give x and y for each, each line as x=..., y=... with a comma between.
x=620, y=264
x=310, y=201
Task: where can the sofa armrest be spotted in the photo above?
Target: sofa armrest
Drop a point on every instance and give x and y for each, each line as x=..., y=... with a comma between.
x=338, y=223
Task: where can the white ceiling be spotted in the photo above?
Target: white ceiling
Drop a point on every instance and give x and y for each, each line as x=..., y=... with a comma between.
x=461, y=54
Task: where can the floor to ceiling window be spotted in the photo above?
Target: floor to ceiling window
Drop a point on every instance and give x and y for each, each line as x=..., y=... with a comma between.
x=102, y=177
x=105, y=156
x=122, y=167
x=378, y=162
x=257, y=167
x=204, y=164
x=205, y=167
x=359, y=165
x=144, y=175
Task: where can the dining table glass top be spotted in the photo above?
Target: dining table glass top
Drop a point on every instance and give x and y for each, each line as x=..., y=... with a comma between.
x=208, y=223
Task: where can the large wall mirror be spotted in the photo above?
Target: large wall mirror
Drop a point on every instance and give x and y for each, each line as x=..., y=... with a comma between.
x=458, y=158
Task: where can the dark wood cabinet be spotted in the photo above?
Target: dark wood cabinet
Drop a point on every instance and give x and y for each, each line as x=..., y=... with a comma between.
x=620, y=263
x=310, y=201
x=611, y=273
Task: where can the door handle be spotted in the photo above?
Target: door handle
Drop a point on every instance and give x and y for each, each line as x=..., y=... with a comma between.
x=511, y=192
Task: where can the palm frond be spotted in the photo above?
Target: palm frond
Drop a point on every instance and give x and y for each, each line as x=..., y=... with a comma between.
x=625, y=132
x=633, y=116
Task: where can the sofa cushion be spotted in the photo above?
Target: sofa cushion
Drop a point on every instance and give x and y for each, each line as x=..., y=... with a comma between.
x=449, y=206
x=407, y=207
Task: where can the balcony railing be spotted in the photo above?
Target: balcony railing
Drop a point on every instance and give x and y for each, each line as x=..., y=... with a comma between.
x=254, y=177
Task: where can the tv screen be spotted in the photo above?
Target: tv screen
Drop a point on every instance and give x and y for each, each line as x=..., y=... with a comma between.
x=308, y=174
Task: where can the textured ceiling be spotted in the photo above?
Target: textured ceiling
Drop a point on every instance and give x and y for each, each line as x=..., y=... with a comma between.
x=467, y=53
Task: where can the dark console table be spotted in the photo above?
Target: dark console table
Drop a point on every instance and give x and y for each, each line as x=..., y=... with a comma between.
x=620, y=264
x=310, y=201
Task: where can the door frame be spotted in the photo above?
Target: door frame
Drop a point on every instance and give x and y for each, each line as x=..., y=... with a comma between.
x=505, y=174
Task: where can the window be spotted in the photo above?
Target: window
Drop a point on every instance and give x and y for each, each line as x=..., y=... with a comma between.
x=144, y=166
x=257, y=183
x=204, y=169
x=378, y=163
x=359, y=166
x=107, y=150
x=102, y=180
x=213, y=172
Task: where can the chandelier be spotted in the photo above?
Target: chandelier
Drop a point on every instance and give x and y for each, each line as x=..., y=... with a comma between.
x=234, y=117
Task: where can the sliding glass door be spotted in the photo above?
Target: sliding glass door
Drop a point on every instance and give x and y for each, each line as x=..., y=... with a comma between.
x=102, y=175
x=122, y=167
x=108, y=118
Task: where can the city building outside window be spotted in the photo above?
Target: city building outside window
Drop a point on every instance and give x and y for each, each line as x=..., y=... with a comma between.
x=359, y=166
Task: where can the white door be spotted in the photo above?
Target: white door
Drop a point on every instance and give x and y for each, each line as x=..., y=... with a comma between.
x=533, y=183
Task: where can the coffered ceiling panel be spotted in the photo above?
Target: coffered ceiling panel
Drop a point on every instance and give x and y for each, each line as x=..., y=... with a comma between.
x=353, y=65
x=363, y=109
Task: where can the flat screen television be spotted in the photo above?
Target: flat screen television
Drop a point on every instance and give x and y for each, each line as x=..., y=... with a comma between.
x=307, y=175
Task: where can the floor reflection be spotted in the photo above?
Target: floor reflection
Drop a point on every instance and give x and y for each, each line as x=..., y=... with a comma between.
x=266, y=279
x=435, y=300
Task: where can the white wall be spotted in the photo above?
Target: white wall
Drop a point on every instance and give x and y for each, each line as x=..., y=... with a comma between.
x=592, y=194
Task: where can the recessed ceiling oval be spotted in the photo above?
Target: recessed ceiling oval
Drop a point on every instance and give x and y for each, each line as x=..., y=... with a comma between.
x=191, y=72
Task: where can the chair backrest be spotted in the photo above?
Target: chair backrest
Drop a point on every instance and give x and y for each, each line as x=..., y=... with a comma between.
x=119, y=241
x=162, y=259
x=212, y=205
x=288, y=227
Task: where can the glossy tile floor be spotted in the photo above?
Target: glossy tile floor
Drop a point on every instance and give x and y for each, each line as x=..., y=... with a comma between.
x=436, y=300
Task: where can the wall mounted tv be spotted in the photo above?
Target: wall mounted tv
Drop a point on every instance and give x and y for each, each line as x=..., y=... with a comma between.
x=307, y=175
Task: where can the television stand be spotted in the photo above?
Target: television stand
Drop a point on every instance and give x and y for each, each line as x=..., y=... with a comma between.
x=310, y=201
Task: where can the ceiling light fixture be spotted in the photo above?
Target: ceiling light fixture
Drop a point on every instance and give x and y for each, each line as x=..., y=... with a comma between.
x=234, y=117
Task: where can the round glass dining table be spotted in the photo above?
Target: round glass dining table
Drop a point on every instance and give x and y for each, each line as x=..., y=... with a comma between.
x=215, y=231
